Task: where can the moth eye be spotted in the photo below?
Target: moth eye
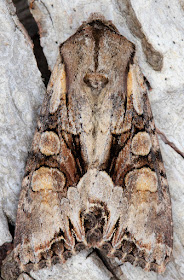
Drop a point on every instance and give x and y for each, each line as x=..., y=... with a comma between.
x=95, y=80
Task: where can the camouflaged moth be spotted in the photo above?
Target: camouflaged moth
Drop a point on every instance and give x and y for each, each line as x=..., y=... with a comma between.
x=95, y=176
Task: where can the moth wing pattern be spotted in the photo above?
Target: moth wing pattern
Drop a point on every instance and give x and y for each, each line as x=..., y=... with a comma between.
x=145, y=223
x=51, y=166
x=95, y=176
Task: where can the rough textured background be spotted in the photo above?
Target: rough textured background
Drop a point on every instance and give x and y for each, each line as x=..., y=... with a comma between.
x=21, y=94
x=156, y=27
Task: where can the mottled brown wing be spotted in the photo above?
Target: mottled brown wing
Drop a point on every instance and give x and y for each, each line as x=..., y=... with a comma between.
x=144, y=231
x=52, y=167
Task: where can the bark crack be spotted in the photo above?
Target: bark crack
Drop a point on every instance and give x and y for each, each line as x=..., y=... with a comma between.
x=171, y=144
x=25, y=17
x=30, y=276
x=47, y=11
x=107, y=263
x=153, y=57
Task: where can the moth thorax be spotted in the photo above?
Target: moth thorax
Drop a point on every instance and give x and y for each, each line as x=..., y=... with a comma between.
x=96, y=80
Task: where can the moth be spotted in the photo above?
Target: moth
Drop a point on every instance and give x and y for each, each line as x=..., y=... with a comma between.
x=94, y=177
